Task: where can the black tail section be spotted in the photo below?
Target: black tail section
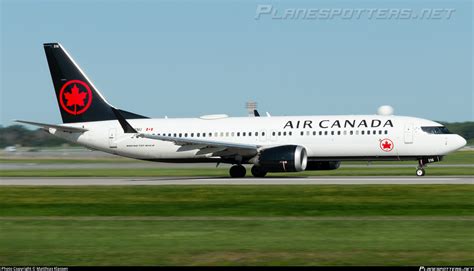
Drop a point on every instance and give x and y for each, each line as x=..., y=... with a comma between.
x=78, y=99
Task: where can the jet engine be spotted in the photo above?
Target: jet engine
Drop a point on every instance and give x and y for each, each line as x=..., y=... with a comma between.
x=288, y=158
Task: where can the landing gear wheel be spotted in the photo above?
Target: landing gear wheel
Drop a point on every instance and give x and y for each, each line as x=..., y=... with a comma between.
x=258, y=172
x=420, y=172
x=237, y=171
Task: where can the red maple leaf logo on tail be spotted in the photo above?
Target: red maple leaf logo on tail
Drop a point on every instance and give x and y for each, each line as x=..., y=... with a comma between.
x=75, y=98
x=78, y=98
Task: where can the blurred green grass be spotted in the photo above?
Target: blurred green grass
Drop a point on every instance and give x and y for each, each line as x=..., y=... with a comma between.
x=355, y=225
x=135, y=243
x=261, y=200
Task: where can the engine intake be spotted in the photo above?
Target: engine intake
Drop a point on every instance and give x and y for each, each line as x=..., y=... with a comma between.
x=288, y=158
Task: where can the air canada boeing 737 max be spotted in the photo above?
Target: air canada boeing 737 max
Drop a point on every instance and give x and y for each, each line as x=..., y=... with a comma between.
x=270, y=144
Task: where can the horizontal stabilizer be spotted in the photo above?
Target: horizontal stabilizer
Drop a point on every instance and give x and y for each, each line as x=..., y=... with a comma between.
x=58, y=127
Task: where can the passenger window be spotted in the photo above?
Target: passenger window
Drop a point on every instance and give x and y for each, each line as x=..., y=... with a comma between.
x=320, y=132
x=256, y=133
x=210, y=134
x=386, y=132
x=192, y=134
x=263, y=133
x=289, y=133
x=302, y=133
x=232, y=134
x=279, y=133
x=197, y=135
x=362, y=132
x=332, y=132
x=338, y=132
x=325, y=132
x=351, y=132
x=180, y=134
x=250, y=133
x=284, y=133
x=238, y=133
x=243, y=134
x=314, y=133
x=273, y=133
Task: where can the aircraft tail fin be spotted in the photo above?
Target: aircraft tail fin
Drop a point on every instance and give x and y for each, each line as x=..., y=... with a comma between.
x=78, y=99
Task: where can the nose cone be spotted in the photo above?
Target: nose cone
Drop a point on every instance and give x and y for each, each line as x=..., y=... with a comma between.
x=459, y=142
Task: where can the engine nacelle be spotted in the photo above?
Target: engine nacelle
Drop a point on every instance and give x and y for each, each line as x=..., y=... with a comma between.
x=323, y=165
x=288, y=158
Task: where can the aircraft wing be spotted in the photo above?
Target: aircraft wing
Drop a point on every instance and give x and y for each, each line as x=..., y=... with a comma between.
x=217, y=148
x=58, y=127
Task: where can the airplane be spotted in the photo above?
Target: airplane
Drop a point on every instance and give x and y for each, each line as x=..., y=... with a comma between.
x=269, y=144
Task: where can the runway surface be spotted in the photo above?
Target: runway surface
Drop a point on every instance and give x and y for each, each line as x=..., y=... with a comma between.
x=238, y=181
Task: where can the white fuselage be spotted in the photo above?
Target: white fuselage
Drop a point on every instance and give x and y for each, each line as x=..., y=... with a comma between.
x=345, y=137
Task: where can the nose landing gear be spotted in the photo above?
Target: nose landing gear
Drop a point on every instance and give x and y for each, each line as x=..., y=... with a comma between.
x=420, y=171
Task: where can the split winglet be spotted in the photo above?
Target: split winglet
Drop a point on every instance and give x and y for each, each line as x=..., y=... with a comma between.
x=127, y=128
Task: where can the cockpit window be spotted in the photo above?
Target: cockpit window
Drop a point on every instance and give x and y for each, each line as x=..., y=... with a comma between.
x=435, y=130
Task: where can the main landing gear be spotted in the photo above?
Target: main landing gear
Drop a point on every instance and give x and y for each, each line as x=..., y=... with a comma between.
x=420, y=171
x=258, y=172
x=237, y=171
